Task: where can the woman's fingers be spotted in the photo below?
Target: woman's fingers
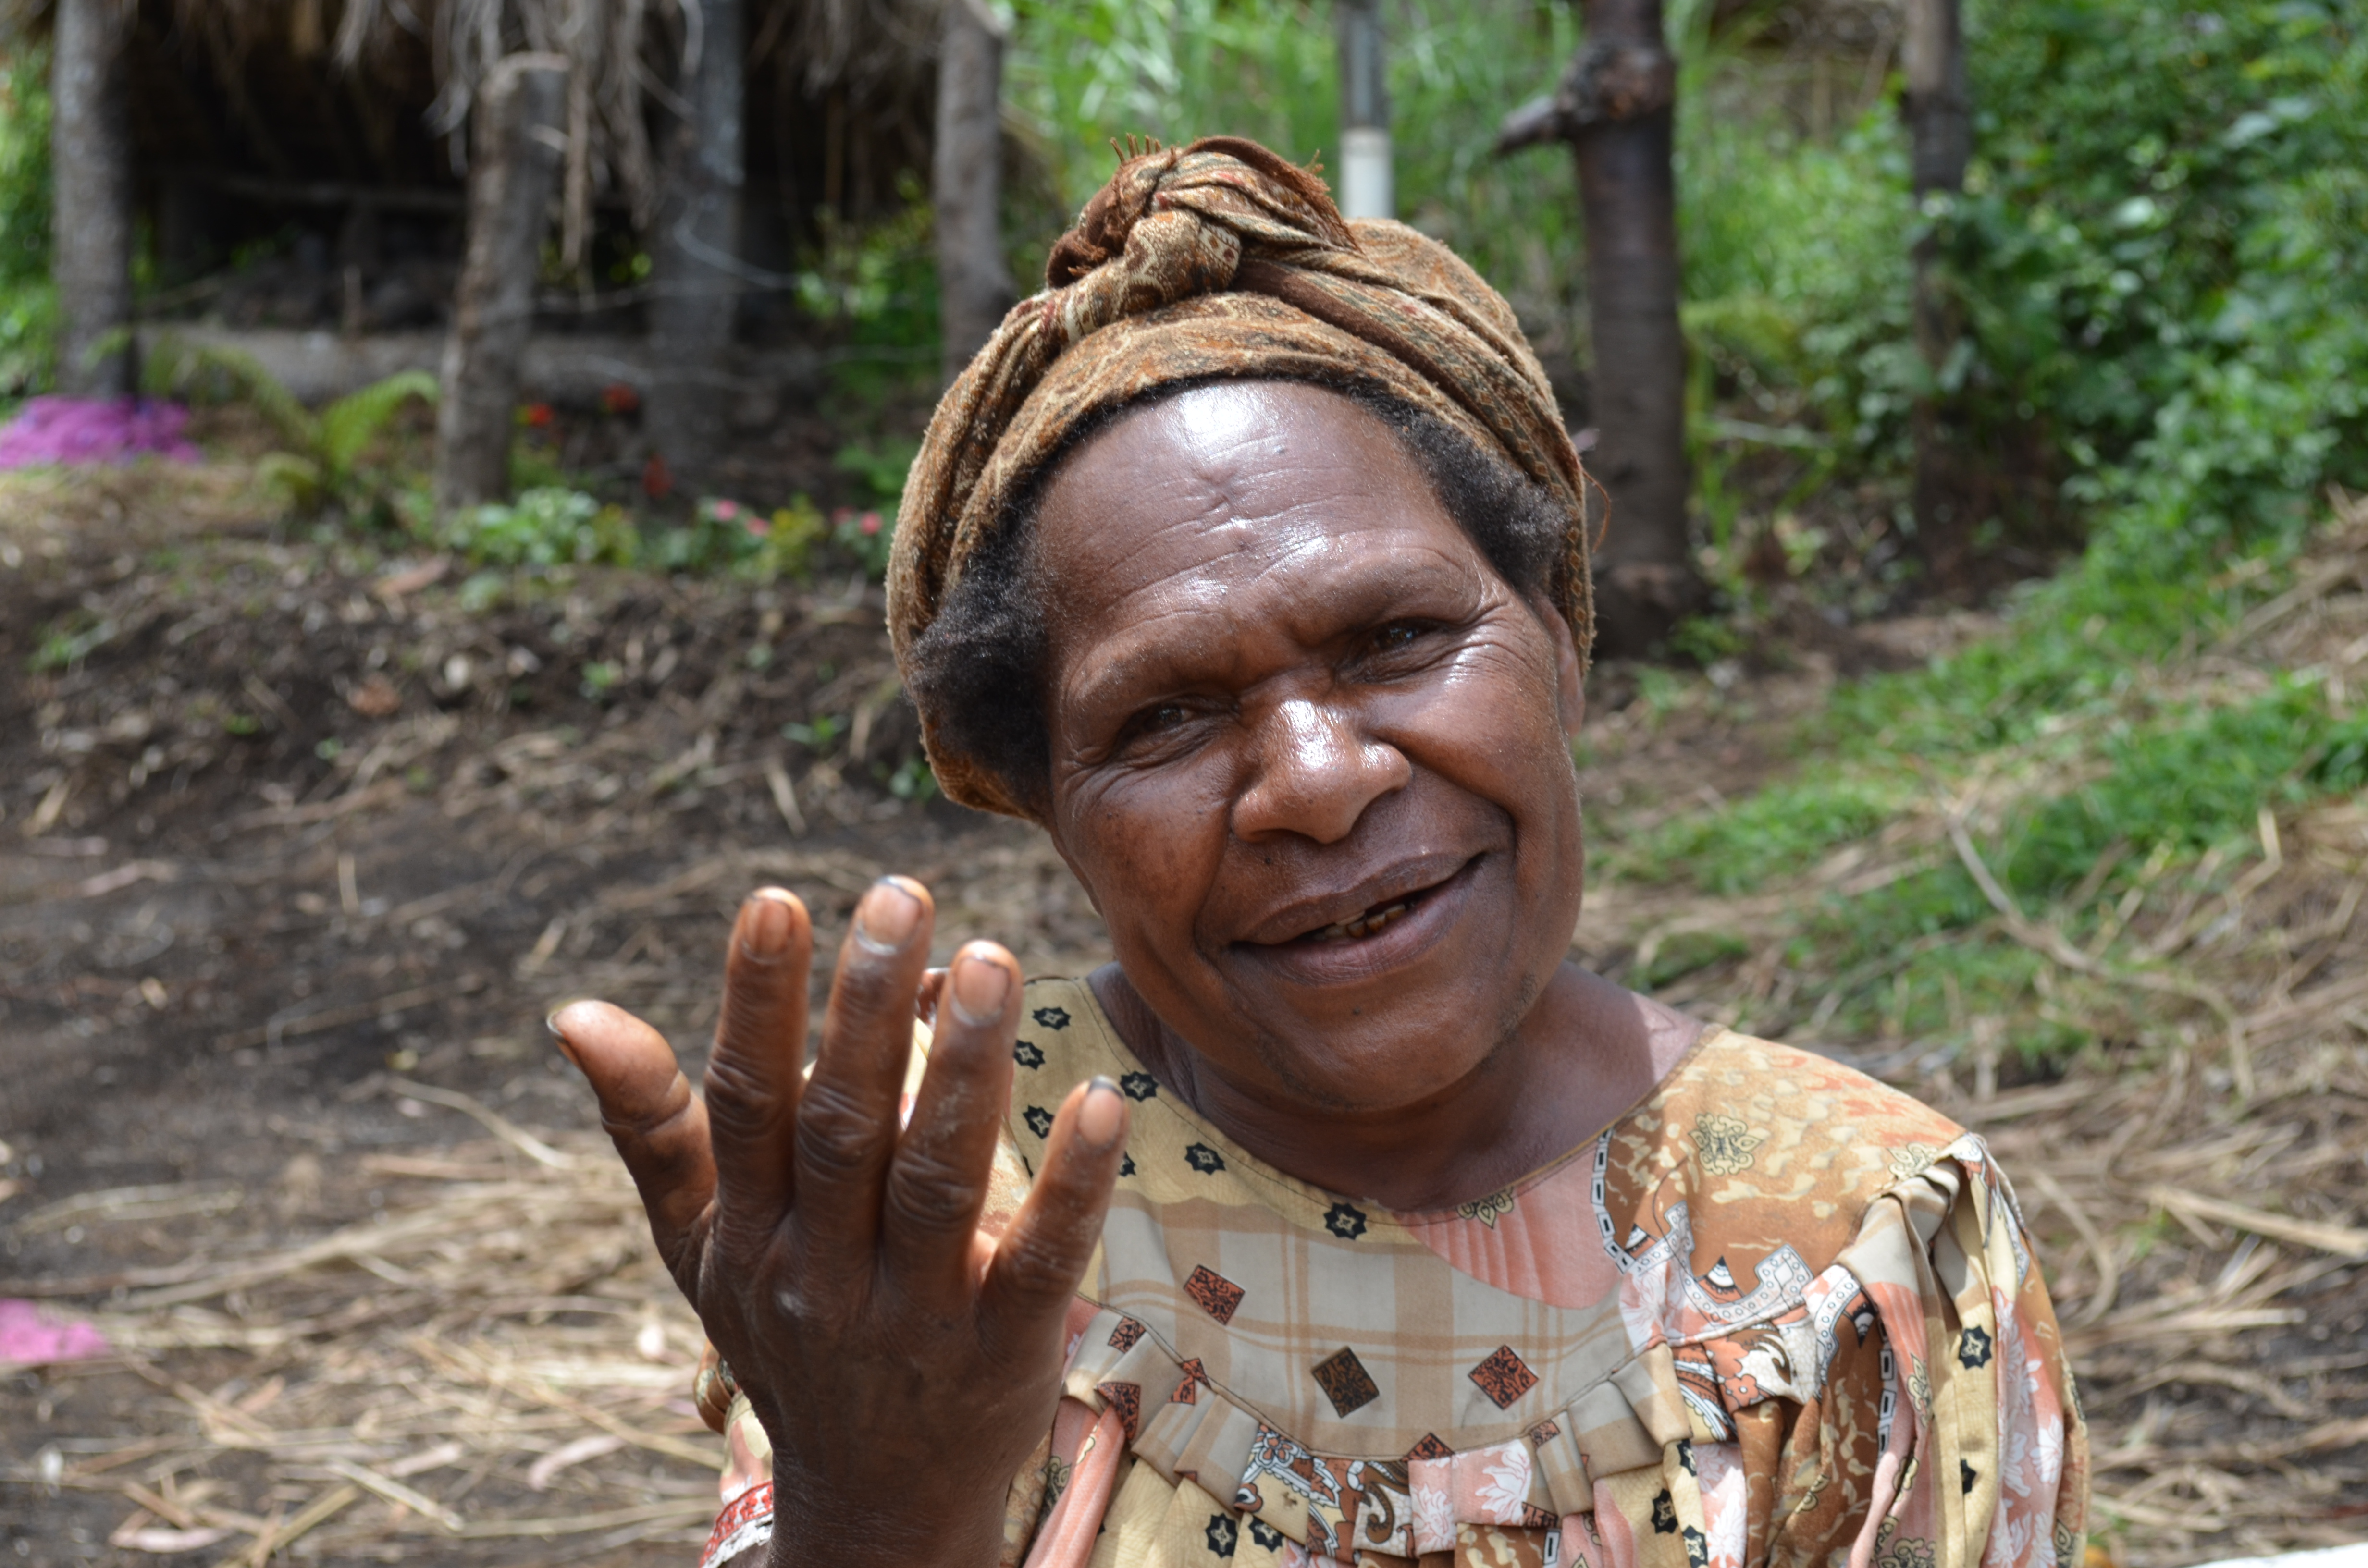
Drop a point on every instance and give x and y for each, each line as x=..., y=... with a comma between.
x=753, y=1076
x=847, y=1124
x=936, y=1184
x=1041, y=1260
x=658, y=1125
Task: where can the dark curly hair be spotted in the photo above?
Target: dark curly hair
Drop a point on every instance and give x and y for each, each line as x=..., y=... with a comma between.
x=980, y=668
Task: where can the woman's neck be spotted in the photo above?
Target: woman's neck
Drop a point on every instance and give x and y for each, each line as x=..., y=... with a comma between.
x=1581, y=1058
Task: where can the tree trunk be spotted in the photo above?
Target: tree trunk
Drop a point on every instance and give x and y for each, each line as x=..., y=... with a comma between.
x=1622, y=94
x=521, y=116
x=1948, y=500
x=90, y=154
x=697, y=263
x=966, y=183
x=1367, y=188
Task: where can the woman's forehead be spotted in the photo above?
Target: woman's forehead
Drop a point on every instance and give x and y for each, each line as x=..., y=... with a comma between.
x=1220, y=470
x=1231, y=511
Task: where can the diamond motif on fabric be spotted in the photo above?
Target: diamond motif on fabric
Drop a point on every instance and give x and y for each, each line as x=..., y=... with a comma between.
x=1126, y=1165
x=1218, y=1296
x=1665, y=1513
x=1266, y=1535
x=1504, y=1377
x=1052, y=1018
x=1039, y=1120
x=1345, y=1220
x=1974, y=1349
x=1545, y=1432
x=1195, y=1378
x=1202, y=1158
x=1127, y=1400
x=1139, y=1085
x=1344, y=1381
x=1028, y=1053
x=1126, y=1335
x=1220, y=1535
x=1430, y=1447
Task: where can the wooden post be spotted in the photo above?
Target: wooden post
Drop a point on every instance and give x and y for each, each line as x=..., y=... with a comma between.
x=966, y=182
x=90, y=157
x=1948, y=499
x=1616, y=106
x=520, y=119
x=697, y=264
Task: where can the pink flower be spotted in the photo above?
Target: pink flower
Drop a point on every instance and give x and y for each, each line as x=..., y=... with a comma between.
x=726, y=510
x=871, y=524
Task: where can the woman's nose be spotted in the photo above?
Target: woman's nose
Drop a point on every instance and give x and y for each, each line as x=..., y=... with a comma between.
x=1313, y=773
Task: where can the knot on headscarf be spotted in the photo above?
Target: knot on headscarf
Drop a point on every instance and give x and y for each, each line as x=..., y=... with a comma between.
x=1216, y=260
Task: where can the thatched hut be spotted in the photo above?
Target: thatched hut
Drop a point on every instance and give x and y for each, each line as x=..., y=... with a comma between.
x=257, y=123
x=302, y=164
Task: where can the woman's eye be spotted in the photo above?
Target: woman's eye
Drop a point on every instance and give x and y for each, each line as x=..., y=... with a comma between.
x=1155, y=719
x=1397, y=635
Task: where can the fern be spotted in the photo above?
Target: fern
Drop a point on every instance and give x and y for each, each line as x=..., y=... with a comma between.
x=348, y=425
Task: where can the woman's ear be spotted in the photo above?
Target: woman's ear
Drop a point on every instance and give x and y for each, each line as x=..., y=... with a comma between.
x=1570, y=681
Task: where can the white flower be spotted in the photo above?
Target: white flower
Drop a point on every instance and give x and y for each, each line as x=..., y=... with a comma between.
x=1505, y=1492
x=1434, y=1513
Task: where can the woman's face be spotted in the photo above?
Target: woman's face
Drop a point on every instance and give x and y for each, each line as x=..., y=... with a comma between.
x=1310, y=752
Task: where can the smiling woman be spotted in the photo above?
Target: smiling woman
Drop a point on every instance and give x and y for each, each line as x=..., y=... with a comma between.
x=1342, y=1217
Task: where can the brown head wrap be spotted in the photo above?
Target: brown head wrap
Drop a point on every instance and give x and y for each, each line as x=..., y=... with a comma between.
x=1215, y=260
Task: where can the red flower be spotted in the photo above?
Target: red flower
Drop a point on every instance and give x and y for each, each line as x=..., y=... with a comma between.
x=535, y=416
x=657, y=480
x=619, y=398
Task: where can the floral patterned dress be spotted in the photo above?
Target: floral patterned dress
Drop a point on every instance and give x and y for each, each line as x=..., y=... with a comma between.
x=1777, y=1313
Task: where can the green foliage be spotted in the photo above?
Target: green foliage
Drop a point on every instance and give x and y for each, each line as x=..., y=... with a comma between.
x=27, y=300
x=2187, y=783
x=1780, y=831
x=546, y=526
x=2160, y=256
x=875, y=286
x=325, y=457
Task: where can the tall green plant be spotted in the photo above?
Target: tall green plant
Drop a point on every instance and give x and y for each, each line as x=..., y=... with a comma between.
x=27, y=301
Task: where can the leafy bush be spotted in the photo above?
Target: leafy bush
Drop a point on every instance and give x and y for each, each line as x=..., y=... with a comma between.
x=2160, y=256
x=545, y=526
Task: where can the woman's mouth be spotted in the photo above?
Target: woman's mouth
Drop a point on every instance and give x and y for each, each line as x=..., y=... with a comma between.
x=1366, y=924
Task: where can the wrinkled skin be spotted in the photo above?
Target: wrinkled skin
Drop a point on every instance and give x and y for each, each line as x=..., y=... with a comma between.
x=1310, y=758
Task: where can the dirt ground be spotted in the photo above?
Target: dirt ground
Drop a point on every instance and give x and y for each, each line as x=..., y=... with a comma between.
x=298, y=844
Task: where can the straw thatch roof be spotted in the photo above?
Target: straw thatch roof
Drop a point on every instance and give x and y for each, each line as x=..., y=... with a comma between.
x=378, y=92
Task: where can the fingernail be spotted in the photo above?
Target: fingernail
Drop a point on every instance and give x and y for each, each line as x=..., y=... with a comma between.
x=1100, y=1117
x=558, y=1038
x=765, y=925
x=980, y=985
x=885, y=918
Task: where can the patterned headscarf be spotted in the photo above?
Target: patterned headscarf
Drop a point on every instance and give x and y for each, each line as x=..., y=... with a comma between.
x=1220, y=259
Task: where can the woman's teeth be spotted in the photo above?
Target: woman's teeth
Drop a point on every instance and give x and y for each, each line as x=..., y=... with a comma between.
x=1364, y=925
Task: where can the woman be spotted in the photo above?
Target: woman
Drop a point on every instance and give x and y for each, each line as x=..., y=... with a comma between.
x=1343, y=1216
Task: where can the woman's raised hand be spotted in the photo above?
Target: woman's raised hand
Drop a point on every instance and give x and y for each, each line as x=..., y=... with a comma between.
x=903, y=1363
